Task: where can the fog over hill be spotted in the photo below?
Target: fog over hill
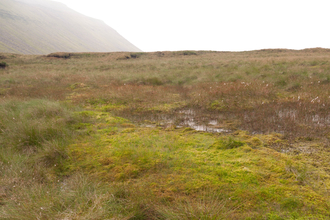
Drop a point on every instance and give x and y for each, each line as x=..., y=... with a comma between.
x=43, y=26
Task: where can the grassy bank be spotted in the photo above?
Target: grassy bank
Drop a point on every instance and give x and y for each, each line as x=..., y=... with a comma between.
x=115, y=136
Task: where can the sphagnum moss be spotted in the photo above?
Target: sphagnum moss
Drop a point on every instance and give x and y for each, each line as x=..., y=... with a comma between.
x=176, y=163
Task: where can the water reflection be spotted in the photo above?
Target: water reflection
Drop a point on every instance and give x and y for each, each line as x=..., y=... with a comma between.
x=182, y=118
x=285, y=119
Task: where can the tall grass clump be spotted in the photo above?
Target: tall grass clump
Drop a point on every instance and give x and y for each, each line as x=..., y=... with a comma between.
x=33, y=136
x=76, y=197
x=205, y=206
x=29, y=125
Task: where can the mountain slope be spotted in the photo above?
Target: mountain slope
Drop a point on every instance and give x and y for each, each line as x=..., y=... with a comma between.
x=41, y=27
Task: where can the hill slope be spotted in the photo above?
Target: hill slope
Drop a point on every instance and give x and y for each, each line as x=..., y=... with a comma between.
x=41, y=27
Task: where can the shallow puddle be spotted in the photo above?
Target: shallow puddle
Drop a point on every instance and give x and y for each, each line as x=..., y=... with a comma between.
x=279, y=119
x=183, y=118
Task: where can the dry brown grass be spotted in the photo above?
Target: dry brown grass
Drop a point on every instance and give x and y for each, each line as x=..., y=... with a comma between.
x=282, y=91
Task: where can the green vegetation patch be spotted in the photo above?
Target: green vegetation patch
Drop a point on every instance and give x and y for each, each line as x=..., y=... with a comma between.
x=60, y=55
x=136, y=55
x=3, y=65
x=167, y=107
x=187, y=52
x=228, y=143
x=173, y=163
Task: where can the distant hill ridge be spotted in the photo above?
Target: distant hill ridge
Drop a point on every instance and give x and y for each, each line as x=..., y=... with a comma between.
x=43, y=26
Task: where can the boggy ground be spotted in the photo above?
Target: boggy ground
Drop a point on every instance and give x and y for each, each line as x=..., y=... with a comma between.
x=165, y=135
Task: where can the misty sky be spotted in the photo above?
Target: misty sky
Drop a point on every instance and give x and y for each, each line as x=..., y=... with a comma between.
x=231, y=25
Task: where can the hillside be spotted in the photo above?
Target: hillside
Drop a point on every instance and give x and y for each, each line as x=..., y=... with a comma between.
x=41, y=27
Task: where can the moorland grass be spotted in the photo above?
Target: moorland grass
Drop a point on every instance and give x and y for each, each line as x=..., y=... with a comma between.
x=97, y=135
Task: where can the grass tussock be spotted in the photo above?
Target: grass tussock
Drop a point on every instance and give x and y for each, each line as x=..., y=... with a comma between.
x=165, y=135
x=29, y=125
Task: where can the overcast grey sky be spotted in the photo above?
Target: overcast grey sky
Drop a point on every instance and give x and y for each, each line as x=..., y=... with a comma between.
x=231, y=25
